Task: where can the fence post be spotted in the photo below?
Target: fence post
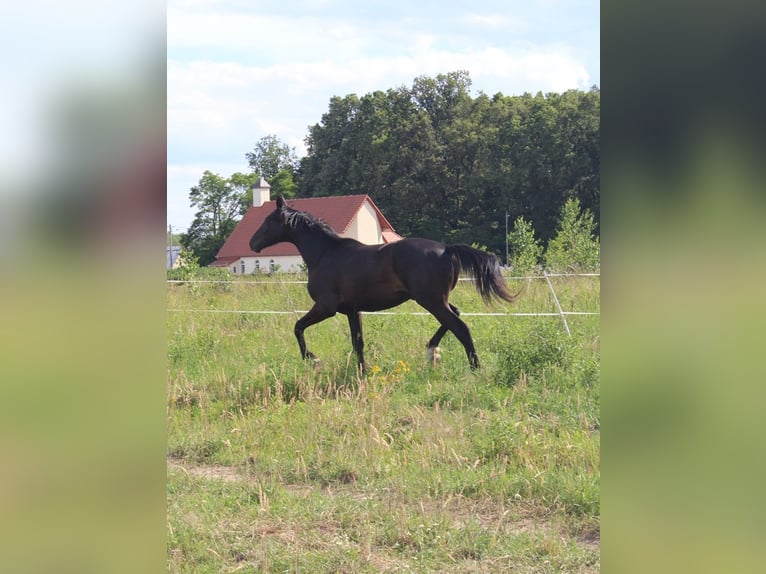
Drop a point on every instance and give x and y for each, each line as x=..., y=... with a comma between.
x=558, y=305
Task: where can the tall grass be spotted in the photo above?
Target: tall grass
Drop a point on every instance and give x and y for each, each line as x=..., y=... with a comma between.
x=277, y=466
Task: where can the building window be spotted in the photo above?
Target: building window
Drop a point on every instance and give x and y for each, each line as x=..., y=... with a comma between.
x=272, y=266
x=234, y=269
x=243, y=267
x=257, y=265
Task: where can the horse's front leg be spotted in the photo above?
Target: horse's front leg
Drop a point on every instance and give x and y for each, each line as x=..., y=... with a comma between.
x=357, y=340
x=315, y=315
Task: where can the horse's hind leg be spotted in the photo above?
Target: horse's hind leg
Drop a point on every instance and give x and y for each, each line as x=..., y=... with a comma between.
x=434, y=353
x=447, y=316
x=315, y=315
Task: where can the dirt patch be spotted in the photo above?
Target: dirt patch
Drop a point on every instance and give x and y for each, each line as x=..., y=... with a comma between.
x=210, y=472
x=591, y=538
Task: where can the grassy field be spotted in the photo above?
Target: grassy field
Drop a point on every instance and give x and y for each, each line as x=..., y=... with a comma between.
x=275, y=466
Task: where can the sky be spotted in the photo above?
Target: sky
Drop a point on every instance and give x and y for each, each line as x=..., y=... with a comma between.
x=240, y=70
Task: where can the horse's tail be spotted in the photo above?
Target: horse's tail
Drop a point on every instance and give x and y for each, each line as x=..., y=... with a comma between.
x=484, y=268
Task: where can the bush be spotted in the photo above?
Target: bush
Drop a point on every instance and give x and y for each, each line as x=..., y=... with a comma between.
x=189, y=270
x=532, y=352
x=575, y=247
x=187, y=265
x=525, y=249
x=213, y=274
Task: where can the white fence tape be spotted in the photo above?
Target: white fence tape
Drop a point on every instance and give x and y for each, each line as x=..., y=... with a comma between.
x=561, y=313
x=303, y=282
x=462, y=313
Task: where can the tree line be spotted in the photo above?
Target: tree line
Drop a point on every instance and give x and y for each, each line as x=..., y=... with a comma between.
x=440, y=162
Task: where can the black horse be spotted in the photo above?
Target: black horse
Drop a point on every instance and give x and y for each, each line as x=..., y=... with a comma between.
x=348, y=277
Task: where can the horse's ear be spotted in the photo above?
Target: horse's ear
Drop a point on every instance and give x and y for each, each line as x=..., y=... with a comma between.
x=281, y=202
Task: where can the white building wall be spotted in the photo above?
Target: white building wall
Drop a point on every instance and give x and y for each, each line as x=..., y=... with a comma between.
x=289, y=264
x=365, y=227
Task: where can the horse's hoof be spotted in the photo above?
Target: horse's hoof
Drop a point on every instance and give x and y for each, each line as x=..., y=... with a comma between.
x=316, y=363
x=434, y=355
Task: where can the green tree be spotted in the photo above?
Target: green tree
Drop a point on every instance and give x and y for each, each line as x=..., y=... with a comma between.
x=282, y=184
x=525, y=251
x=242, y=185
x=219, y=205
x=277, y=163
x=270, y=157
x=443, y=164
x=327, y=167
x=575, y=247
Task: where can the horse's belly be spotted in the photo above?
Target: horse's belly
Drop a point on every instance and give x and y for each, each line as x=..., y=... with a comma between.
x=376, y=301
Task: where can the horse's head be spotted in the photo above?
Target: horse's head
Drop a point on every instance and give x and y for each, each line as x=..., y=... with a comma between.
x=272, y=230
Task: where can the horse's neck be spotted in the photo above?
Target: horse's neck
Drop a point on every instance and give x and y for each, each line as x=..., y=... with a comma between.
x=312, y=244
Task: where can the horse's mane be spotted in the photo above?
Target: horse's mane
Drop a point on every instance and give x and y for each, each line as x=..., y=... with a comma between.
x=295, y=219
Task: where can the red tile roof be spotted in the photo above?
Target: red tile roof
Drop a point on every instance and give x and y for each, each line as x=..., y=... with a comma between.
x=224, y=261
x=337, y=211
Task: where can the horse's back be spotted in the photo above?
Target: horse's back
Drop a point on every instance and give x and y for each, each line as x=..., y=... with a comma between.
x=416, y=247
x=422, y=265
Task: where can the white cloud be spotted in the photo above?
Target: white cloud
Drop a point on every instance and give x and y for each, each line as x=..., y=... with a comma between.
x=212, y=100
x=255, y=37
x=496, y=21
x=234, y=77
